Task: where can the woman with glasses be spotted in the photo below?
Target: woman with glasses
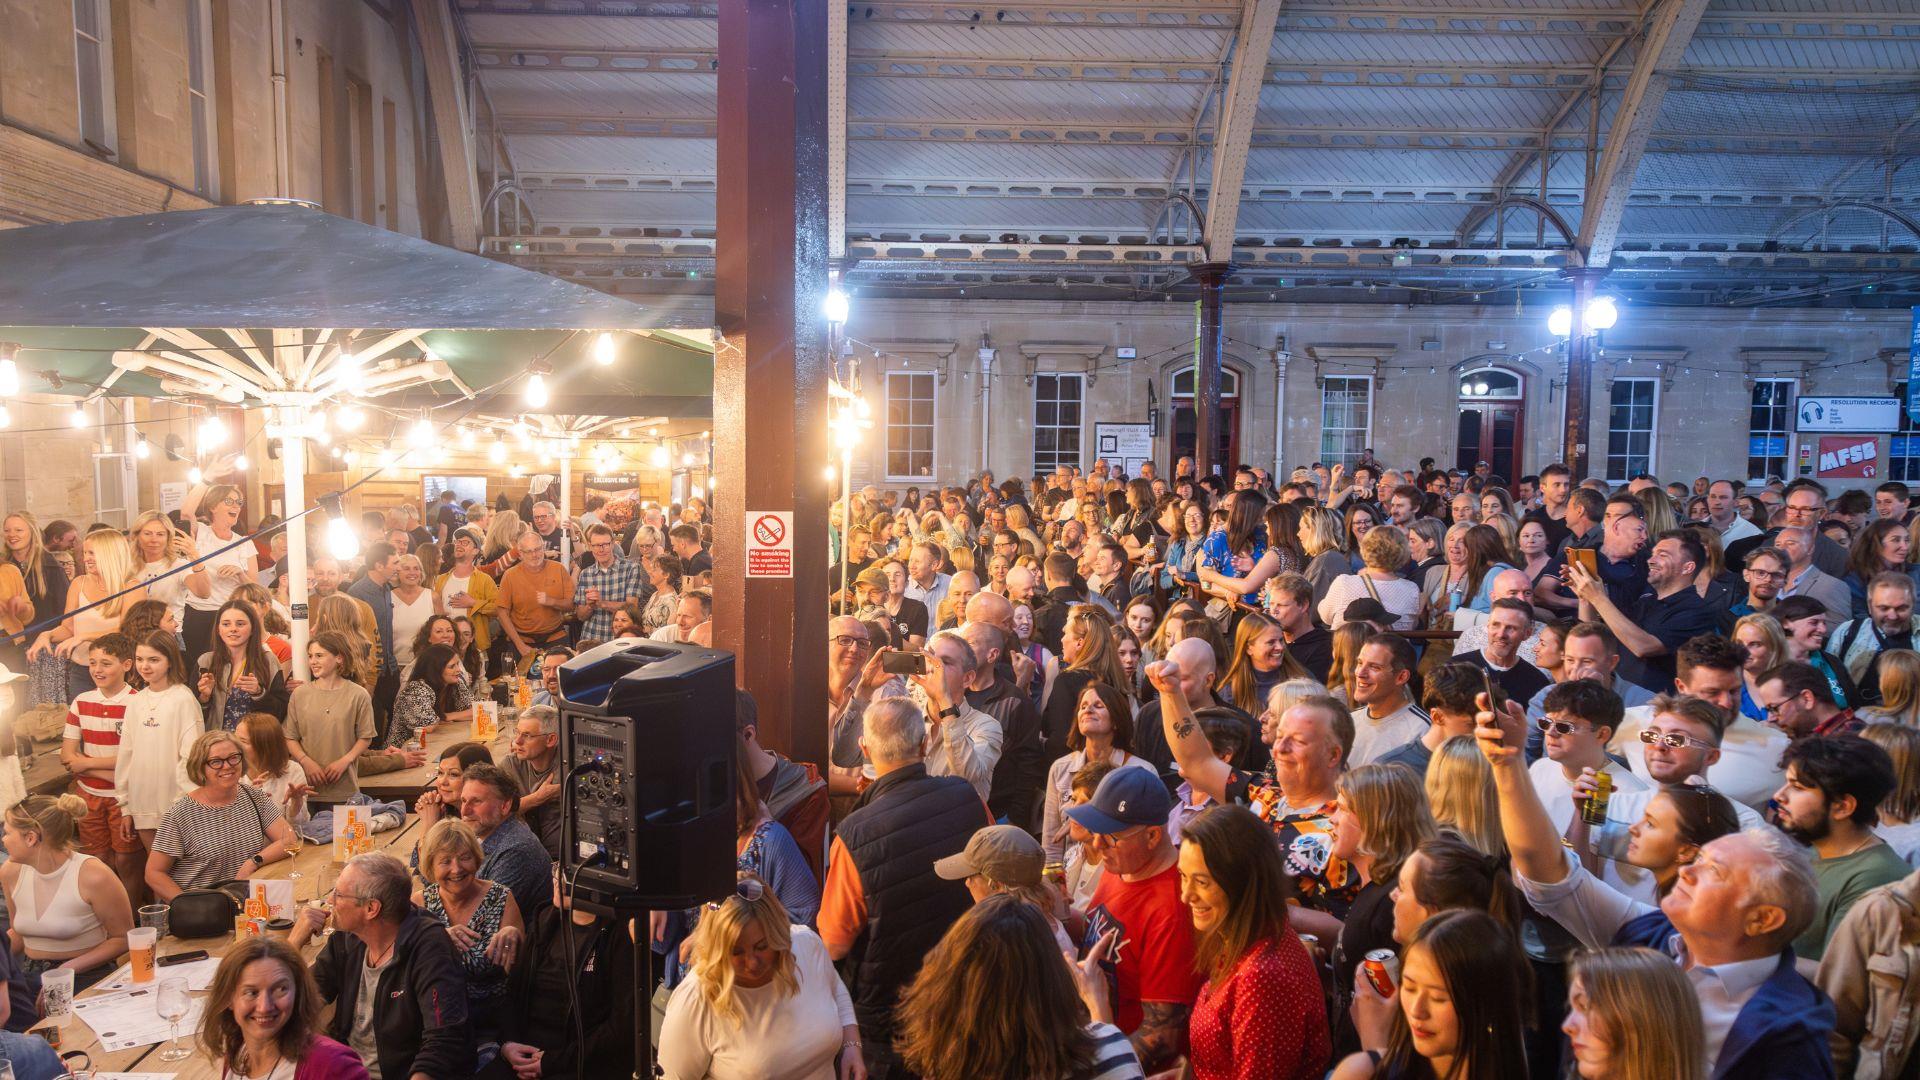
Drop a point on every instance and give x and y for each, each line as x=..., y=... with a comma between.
x=480, y=916
x=227, y=564
x=763, y=999
x=219, y=831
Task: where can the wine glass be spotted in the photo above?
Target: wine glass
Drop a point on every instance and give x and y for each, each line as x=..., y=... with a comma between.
x=294, y=840
x=171, y=1004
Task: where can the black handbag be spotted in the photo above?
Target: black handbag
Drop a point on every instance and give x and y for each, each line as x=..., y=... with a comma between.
x=202, y=913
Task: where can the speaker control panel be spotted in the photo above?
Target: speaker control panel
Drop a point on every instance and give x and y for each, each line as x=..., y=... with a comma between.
x=602, y=805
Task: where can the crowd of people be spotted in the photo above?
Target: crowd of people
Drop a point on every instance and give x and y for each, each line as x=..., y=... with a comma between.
x=1358, y=772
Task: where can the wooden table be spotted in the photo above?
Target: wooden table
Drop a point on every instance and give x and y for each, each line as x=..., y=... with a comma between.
x=316, y=868
x=407, y=784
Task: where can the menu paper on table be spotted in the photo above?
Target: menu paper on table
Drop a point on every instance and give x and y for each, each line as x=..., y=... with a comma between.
x=130, y=1018
x=198, y=973
x=352, y=831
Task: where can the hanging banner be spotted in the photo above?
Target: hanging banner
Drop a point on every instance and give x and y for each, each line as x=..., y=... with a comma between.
x=1850, y=414
x=1913, y=369
x=1856, y=456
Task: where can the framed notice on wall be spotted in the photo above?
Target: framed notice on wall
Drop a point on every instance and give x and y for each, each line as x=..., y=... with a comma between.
x=1124, y=446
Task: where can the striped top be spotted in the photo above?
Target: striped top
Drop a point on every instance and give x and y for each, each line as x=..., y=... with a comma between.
x=1113, y=1057
x=93, y=720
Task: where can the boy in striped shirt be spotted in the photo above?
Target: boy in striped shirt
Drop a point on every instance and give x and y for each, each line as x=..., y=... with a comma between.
x=89, y=747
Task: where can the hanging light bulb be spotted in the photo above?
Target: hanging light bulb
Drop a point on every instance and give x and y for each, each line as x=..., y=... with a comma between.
x=466, y=438
x=140, y=448
x=420, y=435
x=659, y=457
x=687, y=460
x=1602, y=313
x=6, y=418
x=603, y=350
x=1560, y=321
x=195, y=476
x=835, y=306
x=78, y=418
x=339, y=453
x=537, y=391
x=516, y=472
x=240, y=463
x=342, y=542
x=349, y=418
x=497, y=453
x=352, y=373
x=320, y=438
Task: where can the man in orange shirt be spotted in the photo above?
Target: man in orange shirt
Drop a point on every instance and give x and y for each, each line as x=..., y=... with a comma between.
x=536, y=596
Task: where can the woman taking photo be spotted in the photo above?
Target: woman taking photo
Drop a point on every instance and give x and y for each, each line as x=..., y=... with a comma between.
x=219, y=831
x=239, y=676
x=956, y=1019
x=1766, y=646
x=1379, y=820
x=413, y=605
x=1457, y=1013
x=436, y=694
x=330, y=721
x=227, y=565
x=158, y=548
x=161, y=725
x=762, y=1001
x=1102, y=731
x=464, y=591
x=1259, y=662
x=1262, y=1000
x=1382, y=552
x=263, y=1018
x=270, y=766
x=1632, y=1015
x=106, y=561
x=69, y=910
x=480, y=916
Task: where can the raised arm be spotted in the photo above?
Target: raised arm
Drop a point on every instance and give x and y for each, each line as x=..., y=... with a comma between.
x=1531, y=837
x=1191, y=751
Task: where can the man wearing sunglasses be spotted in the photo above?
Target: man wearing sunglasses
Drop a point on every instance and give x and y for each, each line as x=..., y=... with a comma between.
x=1581, y=717
x=1711, y=668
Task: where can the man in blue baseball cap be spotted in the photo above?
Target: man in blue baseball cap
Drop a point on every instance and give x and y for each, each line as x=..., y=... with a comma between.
x=1139, y=895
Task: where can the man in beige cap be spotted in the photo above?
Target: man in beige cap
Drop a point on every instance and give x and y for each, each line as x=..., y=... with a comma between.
x=999, y=858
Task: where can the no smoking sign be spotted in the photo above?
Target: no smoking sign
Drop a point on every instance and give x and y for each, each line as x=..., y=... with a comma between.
x=769, y=543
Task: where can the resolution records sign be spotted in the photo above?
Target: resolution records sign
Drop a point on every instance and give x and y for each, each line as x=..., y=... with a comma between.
x=769, y=543
x=1848, y=456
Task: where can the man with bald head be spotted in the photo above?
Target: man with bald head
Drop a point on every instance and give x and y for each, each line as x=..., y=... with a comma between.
x=1021, y=586
x=1193, y=658
x=1022, y=768
x=964, y=586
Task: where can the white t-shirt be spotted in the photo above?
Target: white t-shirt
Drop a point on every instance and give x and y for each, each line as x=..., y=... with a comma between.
x=407, y=621
x=207, y=543
x=1373, y=737
x=1556, y=791
x=1748, y=771
x=780, y=1035
x=172, y=591
x=454, y=587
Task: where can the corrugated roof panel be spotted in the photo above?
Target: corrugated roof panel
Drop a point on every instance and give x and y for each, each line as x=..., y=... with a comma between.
x=664, y=209
x=995, y=100
x=1332, y=47
x=887, y=213
x=601, y=95
x=1035, y=42
x=590, y=32
x=1414, y=107
x=1007, y=162
x=637, y=157
x=1371, y=168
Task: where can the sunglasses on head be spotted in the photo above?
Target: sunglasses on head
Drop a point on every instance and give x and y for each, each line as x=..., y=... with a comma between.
x=748, y=889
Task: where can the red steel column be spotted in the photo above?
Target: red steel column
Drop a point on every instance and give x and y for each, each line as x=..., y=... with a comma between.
x=1209, y=350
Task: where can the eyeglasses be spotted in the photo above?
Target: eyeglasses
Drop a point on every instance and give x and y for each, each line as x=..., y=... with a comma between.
x=748, y=889
x=1766, y=575
x=1672, y=740
x=1559, y=727
x=231, y=761
x=336, y=895
x=1774, y=709
x=848, y=641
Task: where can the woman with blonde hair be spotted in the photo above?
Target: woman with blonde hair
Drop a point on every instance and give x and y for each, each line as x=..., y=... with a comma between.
x=45, y=582
x=1346, y=657
x=496, y=553
x=961, y=1017
x=1383, y=551
x=69, y=909
x=228, y=564
x=159, y=548
x=1660, y=515
x=1461, y=794
x=1632, y=1015
x=1509, y=529
x=1022, y=526
x=762, y=1000
x=1380, y=817
x=480, y=915
x=1321, y=543
x=1259, y=662
x=340, y=614
x=108, y=564
x=413, y=606
x=1900, y=810
x=1087, y=655
x=1899, y=671
x=1766, y=645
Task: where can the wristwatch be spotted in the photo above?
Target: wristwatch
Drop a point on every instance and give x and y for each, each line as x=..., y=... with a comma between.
x=256, y=860
x=950, y=712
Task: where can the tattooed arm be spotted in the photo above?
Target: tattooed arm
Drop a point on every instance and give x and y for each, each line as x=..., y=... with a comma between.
x=1191, y=751
x=1162, y=1034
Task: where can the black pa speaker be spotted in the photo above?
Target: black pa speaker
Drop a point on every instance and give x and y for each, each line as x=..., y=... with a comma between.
x=647, y=746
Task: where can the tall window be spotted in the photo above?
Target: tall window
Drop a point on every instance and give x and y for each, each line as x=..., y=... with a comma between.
x=1056, y=420
x=93, y=72
x=1630, y=417
x=1769, y=427
x=1903, y=449
x=1346, y=418
x=909, y=424
x=200, y=95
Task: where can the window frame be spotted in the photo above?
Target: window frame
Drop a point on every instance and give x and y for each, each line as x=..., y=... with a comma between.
x=1786, y=431
x=201, y=106
x=102, y=41
x=1080, y=430
x=1652, y=430
x=887, y=427
x=1907, y=430
x=1326, y=387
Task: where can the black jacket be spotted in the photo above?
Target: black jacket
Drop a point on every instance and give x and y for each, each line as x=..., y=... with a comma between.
x=420, y=1019
x=1050, y=621
x=1022, y=769
x=601, y=968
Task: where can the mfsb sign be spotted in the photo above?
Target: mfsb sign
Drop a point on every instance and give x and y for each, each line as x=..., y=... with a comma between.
x=1848, y=456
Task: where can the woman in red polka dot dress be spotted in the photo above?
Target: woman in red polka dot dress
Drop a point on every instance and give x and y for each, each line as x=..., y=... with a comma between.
x=1262, y=1013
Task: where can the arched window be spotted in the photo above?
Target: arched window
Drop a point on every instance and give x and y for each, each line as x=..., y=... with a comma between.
x=1183, y=382
x=1485, y=383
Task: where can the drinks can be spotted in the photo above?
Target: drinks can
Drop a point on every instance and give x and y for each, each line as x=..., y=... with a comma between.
x=1594, y=810
x=1382, y=970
